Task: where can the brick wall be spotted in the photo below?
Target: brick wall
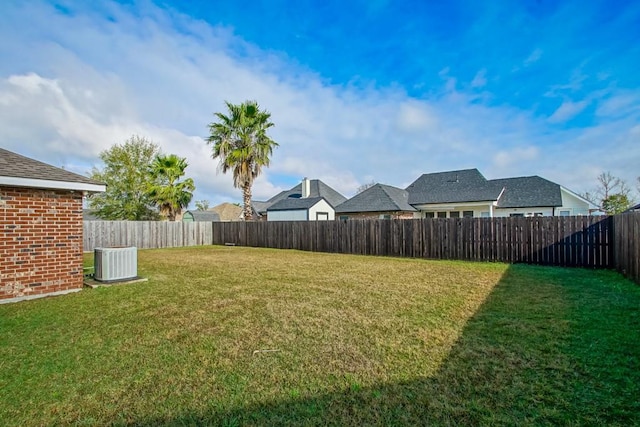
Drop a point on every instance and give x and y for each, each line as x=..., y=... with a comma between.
x=40, y=241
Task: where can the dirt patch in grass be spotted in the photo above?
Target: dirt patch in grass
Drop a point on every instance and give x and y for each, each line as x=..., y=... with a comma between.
x=359, y=340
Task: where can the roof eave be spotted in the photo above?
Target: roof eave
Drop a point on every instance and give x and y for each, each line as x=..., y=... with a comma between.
x=11, y=181
x=288, y=209
x=418, y=206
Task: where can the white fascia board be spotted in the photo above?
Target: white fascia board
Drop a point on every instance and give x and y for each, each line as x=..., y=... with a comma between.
x=453, y=206
x=579, y=197
x=11, y=181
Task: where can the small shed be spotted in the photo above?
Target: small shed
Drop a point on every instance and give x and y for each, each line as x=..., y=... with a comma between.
x=195, y=216
x=40, y=227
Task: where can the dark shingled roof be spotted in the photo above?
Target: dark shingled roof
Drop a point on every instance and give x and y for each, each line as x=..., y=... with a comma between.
x=317, y=189
x=378, y=198
x=528, y=191
x=17, y=166
x=206, y=216
x=259, y=206
x=452, y=187
x=293, y=204
x=633, y=208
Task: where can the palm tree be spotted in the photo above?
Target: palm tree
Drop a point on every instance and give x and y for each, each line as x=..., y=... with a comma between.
x=170, y=195
x=241, y=144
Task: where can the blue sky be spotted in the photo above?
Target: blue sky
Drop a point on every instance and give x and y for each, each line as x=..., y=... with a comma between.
x=359, y=91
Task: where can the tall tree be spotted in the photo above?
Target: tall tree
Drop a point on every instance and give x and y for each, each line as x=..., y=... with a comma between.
x=241, y=144
x=612, y=193
x=168, y=193
x=127, y=178
x=609, y=184
x=615, y=204
x=202, y=205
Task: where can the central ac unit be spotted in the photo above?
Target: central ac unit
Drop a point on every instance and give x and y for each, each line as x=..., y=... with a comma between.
x=115, y=264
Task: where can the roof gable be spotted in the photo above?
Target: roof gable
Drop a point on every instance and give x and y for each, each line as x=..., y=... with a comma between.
x=23, y=171
x=467, y=185
x=378, y=198
x=227, y=211
x=293, y=204
x=528, y=191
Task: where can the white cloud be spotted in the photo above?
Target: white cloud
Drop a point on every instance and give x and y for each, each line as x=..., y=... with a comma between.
x=620, y=104
x=89, y=83
x=415, y=116
x=512, y=159
x=480, y=79
x=567, y=110
x=533, y=57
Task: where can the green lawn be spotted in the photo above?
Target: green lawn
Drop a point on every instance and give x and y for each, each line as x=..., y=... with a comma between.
x=243, y=336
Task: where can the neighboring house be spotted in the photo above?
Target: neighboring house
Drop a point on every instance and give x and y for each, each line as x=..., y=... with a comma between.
x=40, y=227
x=200, y=216
x=304, y=209
x=635, y=208
x=310, y=200
x=227, y=211
x=377, y=202
x=467, y=193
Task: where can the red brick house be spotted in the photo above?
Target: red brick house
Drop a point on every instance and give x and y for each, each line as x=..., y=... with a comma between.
x=40, y=227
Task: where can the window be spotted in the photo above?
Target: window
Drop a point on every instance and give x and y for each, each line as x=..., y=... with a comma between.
x=454, y=214
x=467, y=214
x=565, y=213
x=385, y=216
x=538, y=214
x=442, y=214
x=322, y=216
x=429, y=214
x=344, y=217
x=516, y=215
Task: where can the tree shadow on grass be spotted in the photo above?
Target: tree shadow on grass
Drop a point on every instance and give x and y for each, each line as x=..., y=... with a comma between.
x=548, y=346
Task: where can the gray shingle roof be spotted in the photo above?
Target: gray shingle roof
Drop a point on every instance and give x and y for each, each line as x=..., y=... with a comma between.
x=528, y=191
x=459, y=186
x=317, y=189
x=293, y=204
x=259, y=206
x=378, y=198
x=634, y=208
x=17, y=166
x=207, y=216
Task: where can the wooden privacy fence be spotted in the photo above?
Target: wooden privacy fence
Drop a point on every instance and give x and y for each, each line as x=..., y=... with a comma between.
x=596, y=242
x=627, y=244
x=145, y=234
x=563, y=241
